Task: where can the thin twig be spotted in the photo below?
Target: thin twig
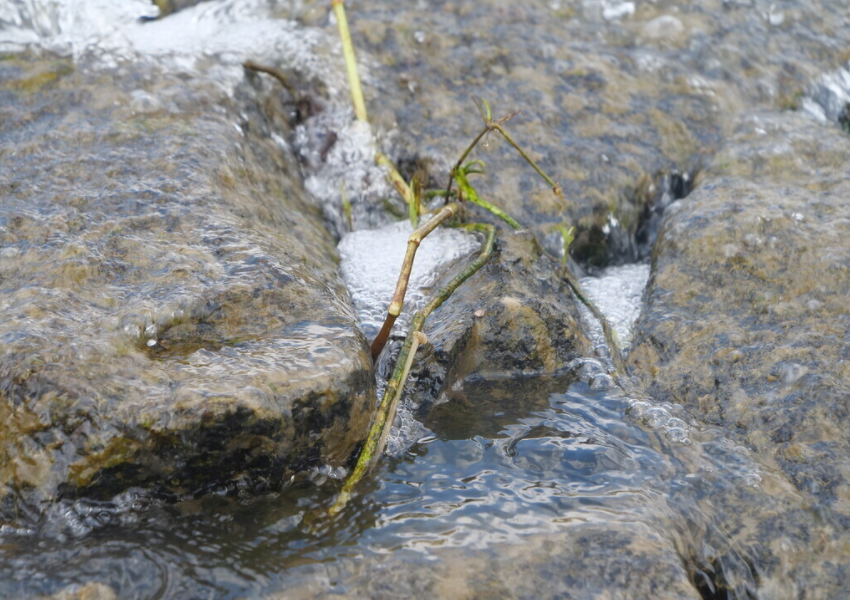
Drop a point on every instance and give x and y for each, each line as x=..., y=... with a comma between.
x=462, y=158
x=395, y=178
x=414, y=208
x=274, y=72
x=620, y=367
x=397, y=302
x=556, y=189
x=379, y=429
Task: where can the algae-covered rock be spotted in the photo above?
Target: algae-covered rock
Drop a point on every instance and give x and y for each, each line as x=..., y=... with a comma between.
x=608, y=101
x=515, y=318
x=170, y=310
x=747, y=326
x=747, y=306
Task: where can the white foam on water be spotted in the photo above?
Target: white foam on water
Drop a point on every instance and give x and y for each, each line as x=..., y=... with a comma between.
x=343, y=167
x=229, y=30
x=618, y=293
x=371, y=261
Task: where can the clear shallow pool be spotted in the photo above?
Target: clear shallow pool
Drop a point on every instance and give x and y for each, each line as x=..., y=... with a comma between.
x=537, y=462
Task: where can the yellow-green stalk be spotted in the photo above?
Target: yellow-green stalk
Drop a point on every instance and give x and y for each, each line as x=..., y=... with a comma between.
x=350, y=61
x=397, y=302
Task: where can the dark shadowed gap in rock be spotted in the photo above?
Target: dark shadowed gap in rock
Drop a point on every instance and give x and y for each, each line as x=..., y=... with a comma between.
x=668, y=188
x=294, y=101
x=617, y=244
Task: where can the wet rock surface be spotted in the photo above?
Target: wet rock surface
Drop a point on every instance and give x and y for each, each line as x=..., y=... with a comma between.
x=726, y=481
x=747, y=325
x=610, y=101
x=171, y=310
x=545, y=567
x=747, y=318
x=515, y=318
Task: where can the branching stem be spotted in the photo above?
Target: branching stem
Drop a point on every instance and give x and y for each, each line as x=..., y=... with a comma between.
x=471, y=195
x=379, y=429
x=462, y=158
x=555, y=187
x=397, y=302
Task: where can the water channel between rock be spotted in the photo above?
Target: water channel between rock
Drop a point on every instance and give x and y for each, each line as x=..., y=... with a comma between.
x=167, y=234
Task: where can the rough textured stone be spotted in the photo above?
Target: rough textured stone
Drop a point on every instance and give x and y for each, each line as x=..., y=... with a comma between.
x=515, y=318
x=747, y=326
x=170, y=311
x=608, y=105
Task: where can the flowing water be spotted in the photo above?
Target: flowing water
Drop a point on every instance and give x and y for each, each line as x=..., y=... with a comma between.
x=511, y=499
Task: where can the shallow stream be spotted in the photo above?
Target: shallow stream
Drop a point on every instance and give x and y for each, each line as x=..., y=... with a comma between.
x=507, y=491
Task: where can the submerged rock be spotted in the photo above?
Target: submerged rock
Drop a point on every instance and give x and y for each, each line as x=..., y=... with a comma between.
x=640, y=564
x=515, y=318
x=170, y=309
x=747, y=325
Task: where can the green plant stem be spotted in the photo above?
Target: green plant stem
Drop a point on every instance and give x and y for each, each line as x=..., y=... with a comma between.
x=350, y=61
x=413, y=208
x=555, y=187
x=620, y=367
x=472, y=196
x=395, y=177
x=379, y=429
x=430, y=194
x=397, y=302
x=462, y=158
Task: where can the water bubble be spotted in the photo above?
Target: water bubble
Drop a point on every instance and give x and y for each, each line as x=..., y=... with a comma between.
x=656, y=417
x=677, y=436
x=601, y=382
